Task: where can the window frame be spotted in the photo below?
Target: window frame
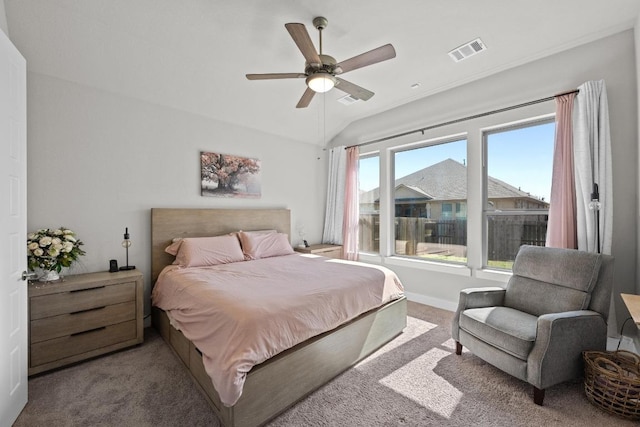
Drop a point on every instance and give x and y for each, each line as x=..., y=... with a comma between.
x=486, y=213
x=393, y=151
x=450, y=126
x=369, y=155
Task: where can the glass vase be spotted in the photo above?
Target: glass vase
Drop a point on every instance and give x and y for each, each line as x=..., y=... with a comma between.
x=49, y=276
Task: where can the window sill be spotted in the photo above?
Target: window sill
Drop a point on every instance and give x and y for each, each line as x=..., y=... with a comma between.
x=441, y=267
x=495, y=275
x=367, y=257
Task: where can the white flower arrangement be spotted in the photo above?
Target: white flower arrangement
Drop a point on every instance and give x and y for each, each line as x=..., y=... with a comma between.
x=51, y=249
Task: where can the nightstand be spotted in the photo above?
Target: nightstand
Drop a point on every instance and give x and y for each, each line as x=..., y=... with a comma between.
x=83, y=316
x=330, y=251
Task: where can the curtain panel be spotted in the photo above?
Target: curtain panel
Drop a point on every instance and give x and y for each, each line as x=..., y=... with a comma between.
x=592, y=157
x=334, y=212
x=561, y=228
x=351, y=221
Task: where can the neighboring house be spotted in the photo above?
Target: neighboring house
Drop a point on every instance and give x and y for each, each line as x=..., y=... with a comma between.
x=440, y=192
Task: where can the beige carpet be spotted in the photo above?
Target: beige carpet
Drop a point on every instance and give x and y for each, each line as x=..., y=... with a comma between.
x=416, y=380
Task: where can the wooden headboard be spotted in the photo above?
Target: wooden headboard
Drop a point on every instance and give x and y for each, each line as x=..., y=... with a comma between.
x=167, y=224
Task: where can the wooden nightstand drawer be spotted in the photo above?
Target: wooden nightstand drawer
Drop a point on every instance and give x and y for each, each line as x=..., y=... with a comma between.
x=68, y=324
x=81, y=299
x=83, y=342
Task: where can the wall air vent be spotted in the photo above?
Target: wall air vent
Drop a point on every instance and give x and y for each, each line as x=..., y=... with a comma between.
x=467, y=50
x=348, y=100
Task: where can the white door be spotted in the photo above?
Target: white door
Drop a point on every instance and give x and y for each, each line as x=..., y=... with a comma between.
x=13, y=230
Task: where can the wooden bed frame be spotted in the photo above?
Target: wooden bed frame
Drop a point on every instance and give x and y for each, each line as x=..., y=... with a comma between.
x=275, y=385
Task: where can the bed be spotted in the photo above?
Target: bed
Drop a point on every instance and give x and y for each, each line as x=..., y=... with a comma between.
x=279, y=382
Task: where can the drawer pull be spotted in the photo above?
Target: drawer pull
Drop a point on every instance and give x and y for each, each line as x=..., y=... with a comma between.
x=87, y=289
x=90, y=330
x=89, y=309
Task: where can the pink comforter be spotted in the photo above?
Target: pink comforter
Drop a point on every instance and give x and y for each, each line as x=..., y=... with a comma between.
x=241, y=314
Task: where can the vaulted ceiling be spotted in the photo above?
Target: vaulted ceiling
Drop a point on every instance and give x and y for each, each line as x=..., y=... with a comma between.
x=193, y=55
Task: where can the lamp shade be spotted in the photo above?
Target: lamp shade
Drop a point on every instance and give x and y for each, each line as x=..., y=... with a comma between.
x=321, y=82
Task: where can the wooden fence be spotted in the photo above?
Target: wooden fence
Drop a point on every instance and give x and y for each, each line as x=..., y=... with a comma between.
x=419, y=236
x=506, y=233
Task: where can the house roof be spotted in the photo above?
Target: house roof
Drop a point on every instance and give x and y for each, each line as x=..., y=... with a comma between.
x=447, y=180
x=411, y=192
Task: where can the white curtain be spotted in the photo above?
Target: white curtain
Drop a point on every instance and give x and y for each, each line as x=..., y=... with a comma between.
x=334, y=213
x=351, y=222
x=592, y=156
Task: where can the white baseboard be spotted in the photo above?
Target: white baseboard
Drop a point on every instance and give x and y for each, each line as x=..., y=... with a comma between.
x=627, y=343
x=433, y=302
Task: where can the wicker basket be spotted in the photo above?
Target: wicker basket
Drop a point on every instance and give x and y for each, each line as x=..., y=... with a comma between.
x=612, y=382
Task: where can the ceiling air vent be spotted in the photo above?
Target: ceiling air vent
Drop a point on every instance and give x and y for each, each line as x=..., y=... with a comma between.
x=347, y=100
x=467, y=50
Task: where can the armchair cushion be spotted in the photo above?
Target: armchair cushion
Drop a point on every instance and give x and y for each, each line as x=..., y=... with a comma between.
x=538, y=298
x=573, y=269
x=509, y=330
x=550, y=280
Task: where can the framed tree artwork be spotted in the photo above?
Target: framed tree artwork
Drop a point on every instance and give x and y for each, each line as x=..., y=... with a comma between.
x=224, y=175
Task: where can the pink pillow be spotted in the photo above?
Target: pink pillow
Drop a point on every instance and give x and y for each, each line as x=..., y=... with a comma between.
x=256, y=246
x=173, y=247
x=204, y=251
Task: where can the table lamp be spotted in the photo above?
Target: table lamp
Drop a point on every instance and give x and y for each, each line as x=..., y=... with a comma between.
x=126, y=243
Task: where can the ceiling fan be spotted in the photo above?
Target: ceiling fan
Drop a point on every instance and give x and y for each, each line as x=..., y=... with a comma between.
x=321, y=71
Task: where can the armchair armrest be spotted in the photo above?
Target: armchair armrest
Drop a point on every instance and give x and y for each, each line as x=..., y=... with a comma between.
x=481, y=297
x=561, y=338
x=476, y=298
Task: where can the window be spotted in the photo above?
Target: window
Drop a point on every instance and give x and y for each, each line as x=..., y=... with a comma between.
x=430, y=191
x=446, y=211
x=467, y=199
x=369, y=181
x=519, y=162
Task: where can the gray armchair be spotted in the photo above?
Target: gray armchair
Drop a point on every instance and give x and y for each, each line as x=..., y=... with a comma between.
x=555, y=306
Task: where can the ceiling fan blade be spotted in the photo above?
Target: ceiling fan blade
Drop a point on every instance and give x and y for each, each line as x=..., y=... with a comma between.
x=301, y=37
x=353, y=89
x=270, y=76
x=372, y=57
x=307, y=96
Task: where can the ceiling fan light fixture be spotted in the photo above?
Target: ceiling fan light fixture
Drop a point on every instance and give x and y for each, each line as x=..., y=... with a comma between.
x=321, y=82
x=320, y=69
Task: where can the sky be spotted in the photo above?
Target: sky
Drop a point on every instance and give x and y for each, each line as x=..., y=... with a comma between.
x=520, y=157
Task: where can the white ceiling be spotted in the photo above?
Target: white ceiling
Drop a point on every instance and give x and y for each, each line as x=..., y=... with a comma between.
x=193, y=55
